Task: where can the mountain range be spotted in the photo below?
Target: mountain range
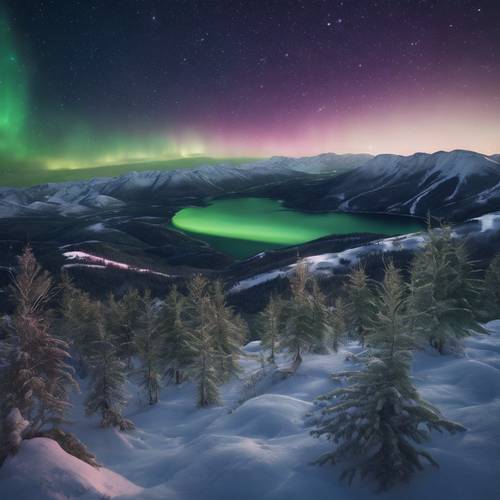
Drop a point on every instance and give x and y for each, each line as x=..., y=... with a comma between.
x=104, y=227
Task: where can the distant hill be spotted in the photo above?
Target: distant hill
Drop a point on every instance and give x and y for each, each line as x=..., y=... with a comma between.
x=453, y=185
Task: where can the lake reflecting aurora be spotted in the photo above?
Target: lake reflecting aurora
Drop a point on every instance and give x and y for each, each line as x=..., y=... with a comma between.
x=242, y=227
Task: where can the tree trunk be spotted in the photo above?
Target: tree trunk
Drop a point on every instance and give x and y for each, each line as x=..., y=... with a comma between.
x=298, y=357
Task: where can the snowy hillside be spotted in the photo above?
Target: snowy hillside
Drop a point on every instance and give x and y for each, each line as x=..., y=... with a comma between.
x=479, y=232
x=68, y=198
x=262, y=447
x=455, y=185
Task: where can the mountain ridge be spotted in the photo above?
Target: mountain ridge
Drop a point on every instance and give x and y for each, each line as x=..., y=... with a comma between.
x=408, y=185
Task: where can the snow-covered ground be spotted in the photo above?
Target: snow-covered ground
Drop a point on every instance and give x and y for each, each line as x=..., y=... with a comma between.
x=261, y=449
x=328, y=263
x=85, y=259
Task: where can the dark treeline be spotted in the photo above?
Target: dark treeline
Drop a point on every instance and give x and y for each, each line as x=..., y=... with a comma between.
x=376, y=421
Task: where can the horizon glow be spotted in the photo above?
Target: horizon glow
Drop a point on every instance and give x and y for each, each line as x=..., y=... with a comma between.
x=376, y=79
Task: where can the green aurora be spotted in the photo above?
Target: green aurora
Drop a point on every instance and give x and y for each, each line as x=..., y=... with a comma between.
x=13, y=94
x=29, y=155
x=63, y=148
x=239, y=226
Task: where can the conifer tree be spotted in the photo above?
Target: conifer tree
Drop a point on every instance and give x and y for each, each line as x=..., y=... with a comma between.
x=78, y=323
x=175, y=353
x=107, y=396
x=443, y=291
x=148, y=348
x=227, y=330
x=35, y=378
x=338, y=323
x=319, y=316
x=271, y=325
x=201, y=344
x=378, y=418
x=360, y=298
x=304, y=328
x=122, y=320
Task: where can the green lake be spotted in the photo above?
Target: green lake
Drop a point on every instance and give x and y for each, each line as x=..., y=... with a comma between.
x=242, y=227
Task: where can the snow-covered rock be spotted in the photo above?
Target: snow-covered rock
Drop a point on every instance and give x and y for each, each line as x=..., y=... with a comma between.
x=42, y=470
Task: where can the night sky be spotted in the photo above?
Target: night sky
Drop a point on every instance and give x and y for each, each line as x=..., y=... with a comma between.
x=123, y=78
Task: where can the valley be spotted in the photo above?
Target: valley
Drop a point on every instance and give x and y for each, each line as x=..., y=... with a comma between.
x=248, y=220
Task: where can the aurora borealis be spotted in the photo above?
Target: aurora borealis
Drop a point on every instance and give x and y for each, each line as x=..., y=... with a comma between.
x=12, y=92
x=85, y=83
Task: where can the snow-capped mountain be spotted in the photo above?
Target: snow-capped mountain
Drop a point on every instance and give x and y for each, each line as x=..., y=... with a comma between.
x=123, y=221
x=454, y=185
x=68, y=198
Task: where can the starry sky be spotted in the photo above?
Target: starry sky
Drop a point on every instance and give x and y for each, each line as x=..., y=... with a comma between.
x=125, y=79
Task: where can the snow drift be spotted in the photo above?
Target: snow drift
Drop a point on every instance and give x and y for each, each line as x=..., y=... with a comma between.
x=262, y=448
x=41, y=469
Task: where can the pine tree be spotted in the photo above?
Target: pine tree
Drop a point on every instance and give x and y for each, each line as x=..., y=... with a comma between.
x=107, y=395
x=148, y=348
x=175, y=353
x=304, y=328
x=319, y=313
x=122, y=320
x=443, y=291
x=35, y=378
x=271, y=325
x=377, y=419
x=360, y=297
x=78, y=322
x=227, y=330
x=338, y=323
x=201, y=344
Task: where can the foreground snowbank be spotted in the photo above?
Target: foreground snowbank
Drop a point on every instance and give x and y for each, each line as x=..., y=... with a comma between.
x=261, y=449
x=43, y=470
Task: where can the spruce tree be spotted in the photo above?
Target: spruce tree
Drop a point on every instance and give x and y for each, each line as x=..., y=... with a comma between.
x=35, y=378
x=378, y=418
x=148, y=344
x=122, y=318
x=319, y=313
x=444, y=291
x=78, y=322
x=175, y=353
x=107, y=396
x=204, y=364
x=227, y=330
x=359, y=295
x=303, y=328
x=337, y=323
x=271, y=325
